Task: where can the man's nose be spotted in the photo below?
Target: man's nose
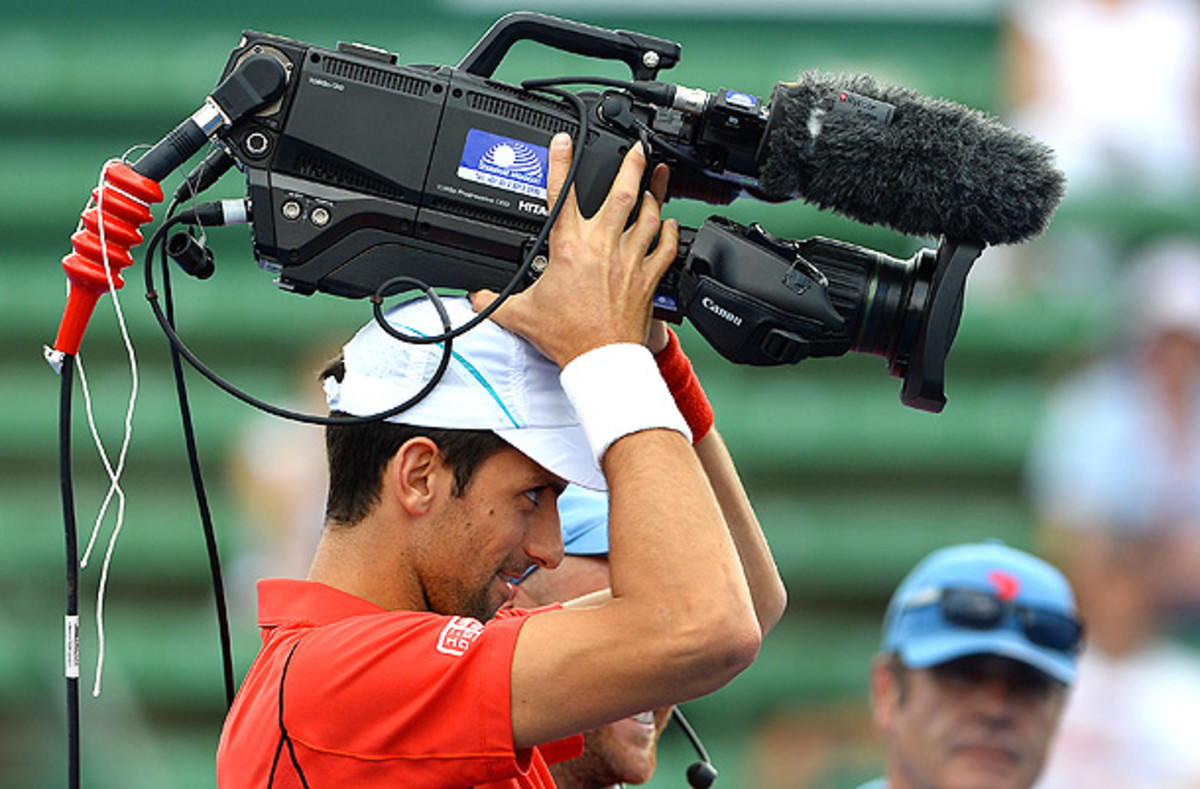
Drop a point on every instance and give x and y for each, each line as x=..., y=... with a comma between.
x=996, y=697
x=544, y=544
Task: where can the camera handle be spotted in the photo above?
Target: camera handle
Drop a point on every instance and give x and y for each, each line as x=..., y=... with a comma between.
x=644, y=55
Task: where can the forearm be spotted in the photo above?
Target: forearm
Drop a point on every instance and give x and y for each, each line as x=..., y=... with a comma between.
x=679, y=553
x=669, y=549
x=766, y=587
x=680, y=620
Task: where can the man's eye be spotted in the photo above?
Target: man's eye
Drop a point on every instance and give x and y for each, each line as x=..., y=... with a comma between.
x=532, y=495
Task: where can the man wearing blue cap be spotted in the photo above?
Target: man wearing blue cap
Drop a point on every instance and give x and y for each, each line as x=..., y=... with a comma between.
x=979, y=648
x=623, y=752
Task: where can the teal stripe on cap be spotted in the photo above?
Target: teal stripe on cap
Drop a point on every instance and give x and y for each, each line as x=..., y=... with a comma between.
x=475, y=373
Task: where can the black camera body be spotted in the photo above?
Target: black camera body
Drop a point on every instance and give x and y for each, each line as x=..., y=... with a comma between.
x=365, y=170
x=365, y=163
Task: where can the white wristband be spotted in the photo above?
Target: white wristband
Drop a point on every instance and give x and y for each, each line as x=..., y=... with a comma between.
x=617, y=390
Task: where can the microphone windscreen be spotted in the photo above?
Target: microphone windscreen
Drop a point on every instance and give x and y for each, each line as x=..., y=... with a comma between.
x=922, y=166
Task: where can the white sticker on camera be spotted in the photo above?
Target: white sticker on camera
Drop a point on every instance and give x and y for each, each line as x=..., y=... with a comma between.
x=504, y=163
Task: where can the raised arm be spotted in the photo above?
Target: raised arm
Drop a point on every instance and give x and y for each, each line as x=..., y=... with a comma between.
x=681, y=620
x=766, y=587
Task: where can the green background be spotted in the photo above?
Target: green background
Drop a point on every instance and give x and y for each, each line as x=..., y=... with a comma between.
x=851, y=486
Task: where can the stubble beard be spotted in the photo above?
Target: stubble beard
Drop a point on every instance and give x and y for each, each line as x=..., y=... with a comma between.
x=450, y=594
x=602, y=764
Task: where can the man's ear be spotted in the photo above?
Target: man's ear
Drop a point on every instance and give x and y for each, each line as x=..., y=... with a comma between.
x=886, y=692
x=417, y=475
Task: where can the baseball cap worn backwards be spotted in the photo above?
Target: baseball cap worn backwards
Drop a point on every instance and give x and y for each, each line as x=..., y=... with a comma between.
x=984, y=598
x=495, y=381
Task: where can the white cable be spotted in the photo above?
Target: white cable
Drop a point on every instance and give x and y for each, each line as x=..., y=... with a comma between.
x=114, y=475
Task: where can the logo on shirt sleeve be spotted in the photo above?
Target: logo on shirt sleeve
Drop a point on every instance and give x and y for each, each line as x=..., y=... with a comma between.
x=458, y=635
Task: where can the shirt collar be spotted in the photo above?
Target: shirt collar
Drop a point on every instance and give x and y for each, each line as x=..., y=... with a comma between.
x=283, y=601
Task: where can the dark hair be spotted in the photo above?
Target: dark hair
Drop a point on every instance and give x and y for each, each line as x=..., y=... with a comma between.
x=358, y=454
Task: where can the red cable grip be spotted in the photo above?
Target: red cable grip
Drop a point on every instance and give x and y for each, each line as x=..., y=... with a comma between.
x=126, y=197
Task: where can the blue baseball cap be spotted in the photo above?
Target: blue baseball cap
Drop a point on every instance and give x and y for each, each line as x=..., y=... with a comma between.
x=984, y=598
x=584, y=517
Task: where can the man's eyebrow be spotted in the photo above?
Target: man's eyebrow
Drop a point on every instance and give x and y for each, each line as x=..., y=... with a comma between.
x=546, y=479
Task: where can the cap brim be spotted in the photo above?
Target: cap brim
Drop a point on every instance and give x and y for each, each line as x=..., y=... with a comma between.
x=563, y=451
x=593, y=542
x=584, y=517
x=935, y=648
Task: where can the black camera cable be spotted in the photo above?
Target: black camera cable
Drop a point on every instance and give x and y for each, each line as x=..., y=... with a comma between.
x=387, y=288
x=523, y=270
x=701, y=774
x=67, y=492
x=180, y=351
x=628, y=121
x=165, y=314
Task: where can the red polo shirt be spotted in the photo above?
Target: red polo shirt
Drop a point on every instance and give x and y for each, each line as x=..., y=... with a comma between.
x=375, y=698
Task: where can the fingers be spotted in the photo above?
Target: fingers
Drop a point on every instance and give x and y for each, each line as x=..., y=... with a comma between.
x=666, y=251
x=641, y=234
x=507, y=314
x=659, y=181
x=647, y=225
x=600, y=256
x=560, y=165
x=480, y=299
x=658, y=338
x=623, y=194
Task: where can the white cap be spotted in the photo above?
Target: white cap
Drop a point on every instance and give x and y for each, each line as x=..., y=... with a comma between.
x=495, y=381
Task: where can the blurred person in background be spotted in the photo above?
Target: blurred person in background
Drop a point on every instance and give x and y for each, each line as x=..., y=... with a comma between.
x=1116, y=454
x=624, y=752
x=979, y=647
x=1114, y=475
x=276, y=472
x=1112, y=85
x=1130, y=720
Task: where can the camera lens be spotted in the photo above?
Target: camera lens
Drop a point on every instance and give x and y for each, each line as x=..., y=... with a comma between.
x=892, y=310
x=881, y=298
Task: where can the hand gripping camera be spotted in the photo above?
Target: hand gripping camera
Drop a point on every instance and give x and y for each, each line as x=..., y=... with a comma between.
x=364, y=170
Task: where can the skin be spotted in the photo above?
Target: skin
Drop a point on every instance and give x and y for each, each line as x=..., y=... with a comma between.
x=462, y=551
x=681, y=619
x=980, y=722
x=624, y=751
x=666, y=633
x=506, y=521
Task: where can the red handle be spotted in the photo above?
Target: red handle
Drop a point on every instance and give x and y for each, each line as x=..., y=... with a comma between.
x=125, y=197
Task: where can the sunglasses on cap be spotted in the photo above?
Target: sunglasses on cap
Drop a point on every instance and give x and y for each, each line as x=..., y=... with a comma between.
x=981, y=610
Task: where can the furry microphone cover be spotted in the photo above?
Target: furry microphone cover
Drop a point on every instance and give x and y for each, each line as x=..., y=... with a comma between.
x=886, y=155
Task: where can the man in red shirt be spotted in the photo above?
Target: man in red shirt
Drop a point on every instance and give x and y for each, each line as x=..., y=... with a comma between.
x=379, y=670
